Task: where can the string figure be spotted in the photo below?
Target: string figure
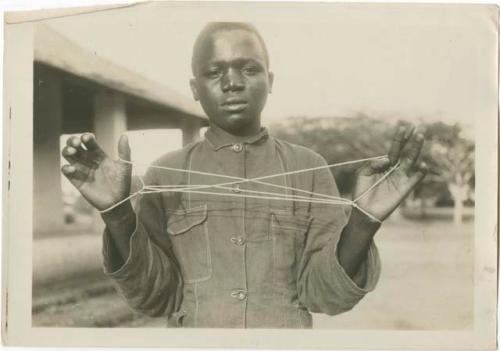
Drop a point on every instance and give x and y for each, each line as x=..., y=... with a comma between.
x=201, y=189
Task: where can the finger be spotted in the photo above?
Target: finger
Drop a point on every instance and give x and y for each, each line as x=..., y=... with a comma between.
x=68, y=170
x=90, y=142
x=380, y=165
x=409, y=132
x=70, y=173
x=76, y=167
x=376, y=166
x=74, y=174
x=397, y=145
x=70, y=154
x=420, y=173
x=74, y=141
x=124, y=148
x=78, y=156
x=413, y=153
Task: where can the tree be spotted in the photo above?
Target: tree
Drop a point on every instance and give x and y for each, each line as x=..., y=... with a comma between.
x=453, y=156
x=449, y=155
x=337, y=140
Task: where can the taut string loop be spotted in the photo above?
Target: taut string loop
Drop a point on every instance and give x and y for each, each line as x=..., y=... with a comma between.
x=312, y=196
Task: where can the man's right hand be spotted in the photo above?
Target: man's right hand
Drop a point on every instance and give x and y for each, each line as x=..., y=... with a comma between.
x=100, y=179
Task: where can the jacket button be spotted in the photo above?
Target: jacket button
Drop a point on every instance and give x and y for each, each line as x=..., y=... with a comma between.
x=237, y=147
x=242, y=295
x=238, y=241
x=239, y=294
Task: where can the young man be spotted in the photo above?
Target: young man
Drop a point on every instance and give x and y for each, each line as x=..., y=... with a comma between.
x=206, y=260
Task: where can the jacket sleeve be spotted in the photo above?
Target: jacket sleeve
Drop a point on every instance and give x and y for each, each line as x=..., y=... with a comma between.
x=323, y=285
x=149, y=280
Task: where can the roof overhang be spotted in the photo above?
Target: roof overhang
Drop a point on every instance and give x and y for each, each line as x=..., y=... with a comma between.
x=53, y=49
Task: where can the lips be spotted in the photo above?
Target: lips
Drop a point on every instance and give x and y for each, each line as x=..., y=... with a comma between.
x=234, y=105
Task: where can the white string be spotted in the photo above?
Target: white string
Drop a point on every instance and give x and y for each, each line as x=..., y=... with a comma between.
x=159, y=187
x=328, y=199
x=143, y=186
x=283, y=198
x=223, y=186
x=184, y=187
x=355, y=205
x=188, y=189
x=286, y=198
x=122, y=201
x=263, y=177
x=258, y=180
x=386, y=174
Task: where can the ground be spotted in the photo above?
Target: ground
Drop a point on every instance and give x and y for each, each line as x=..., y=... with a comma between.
x=426, y=283
x=426, y=280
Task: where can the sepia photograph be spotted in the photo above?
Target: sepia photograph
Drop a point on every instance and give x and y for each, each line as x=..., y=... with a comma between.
x=218, y=167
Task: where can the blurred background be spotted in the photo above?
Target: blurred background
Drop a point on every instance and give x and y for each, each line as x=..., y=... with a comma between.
x=127, y=71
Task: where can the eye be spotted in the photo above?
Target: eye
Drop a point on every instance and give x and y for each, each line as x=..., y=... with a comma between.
x=213, y=72
x=250, y=70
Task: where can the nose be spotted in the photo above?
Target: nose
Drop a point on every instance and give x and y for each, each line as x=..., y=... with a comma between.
x=232, y=81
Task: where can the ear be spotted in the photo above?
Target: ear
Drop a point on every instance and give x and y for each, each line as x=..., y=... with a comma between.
x=271, y=81
x=194, y=89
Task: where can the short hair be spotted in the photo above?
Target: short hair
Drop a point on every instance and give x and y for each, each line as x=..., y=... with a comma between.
x=214, y=27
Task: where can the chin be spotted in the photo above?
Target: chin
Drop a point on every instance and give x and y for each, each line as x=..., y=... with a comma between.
x=237, y=122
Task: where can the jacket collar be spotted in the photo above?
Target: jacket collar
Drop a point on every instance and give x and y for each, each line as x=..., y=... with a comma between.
x=223, y=139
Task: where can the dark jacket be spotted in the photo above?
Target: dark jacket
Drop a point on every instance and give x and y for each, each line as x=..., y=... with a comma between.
x=228, y=261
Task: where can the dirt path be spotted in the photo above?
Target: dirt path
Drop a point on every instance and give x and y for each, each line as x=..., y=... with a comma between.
x=426, y=280
x=426, y=283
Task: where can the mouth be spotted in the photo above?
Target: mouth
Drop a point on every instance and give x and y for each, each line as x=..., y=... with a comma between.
x=233, y=105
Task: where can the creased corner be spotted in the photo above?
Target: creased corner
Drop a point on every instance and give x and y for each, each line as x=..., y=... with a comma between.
x=18, y=17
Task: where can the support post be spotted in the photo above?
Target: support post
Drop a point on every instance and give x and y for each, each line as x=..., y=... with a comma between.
x=110, y=120
x=48, y=213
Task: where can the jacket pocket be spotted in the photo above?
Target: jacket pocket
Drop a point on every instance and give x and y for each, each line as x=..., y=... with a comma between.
x=189, y=234
x=289, y=233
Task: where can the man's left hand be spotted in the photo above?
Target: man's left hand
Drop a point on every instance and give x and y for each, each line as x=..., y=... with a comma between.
x=405, y=173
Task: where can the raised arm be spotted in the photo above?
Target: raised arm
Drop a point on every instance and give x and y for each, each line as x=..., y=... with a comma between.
x=103, y=182
x=380, y=188
x=341, y=262
x=137, y=259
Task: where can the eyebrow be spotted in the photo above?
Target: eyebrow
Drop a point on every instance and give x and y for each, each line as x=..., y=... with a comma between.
x=239, y=61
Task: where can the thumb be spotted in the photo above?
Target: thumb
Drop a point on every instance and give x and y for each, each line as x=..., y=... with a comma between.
x=124, y=148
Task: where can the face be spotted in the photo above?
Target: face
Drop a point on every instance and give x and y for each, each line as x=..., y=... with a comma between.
x=232, y=80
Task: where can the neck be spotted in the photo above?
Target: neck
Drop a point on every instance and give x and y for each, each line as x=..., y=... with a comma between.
x=244, y=134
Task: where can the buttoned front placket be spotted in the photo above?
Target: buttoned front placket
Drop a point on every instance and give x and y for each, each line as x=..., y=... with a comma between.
x=240, y=244
x=240, y=241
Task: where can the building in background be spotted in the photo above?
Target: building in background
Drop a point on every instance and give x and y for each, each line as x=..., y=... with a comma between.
x=76, y=91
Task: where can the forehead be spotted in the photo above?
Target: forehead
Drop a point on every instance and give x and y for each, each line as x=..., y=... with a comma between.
x=230, y=45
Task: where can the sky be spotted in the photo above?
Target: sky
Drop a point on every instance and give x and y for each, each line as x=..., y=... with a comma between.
x=409, y=62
